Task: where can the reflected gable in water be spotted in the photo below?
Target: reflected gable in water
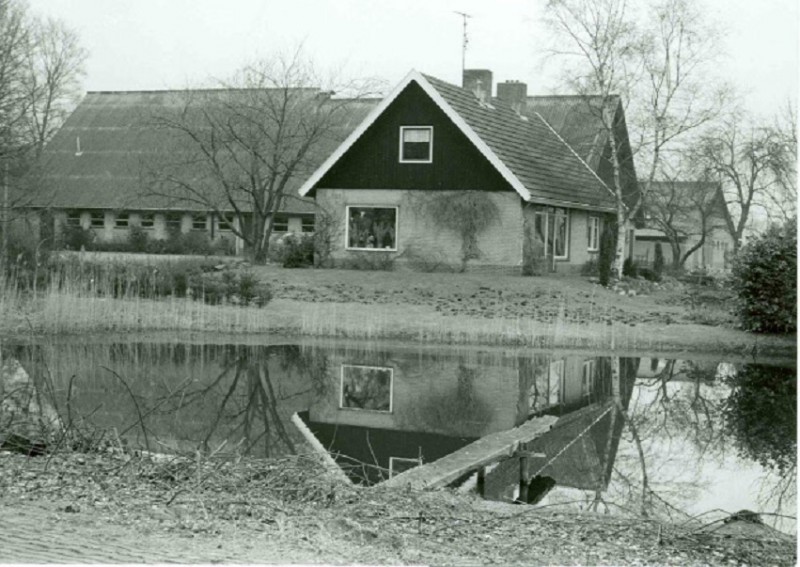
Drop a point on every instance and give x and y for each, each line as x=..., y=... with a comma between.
x=648, y=434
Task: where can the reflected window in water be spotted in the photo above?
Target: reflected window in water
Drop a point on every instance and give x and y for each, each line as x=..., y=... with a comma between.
x=366, y=388
x=398, y=465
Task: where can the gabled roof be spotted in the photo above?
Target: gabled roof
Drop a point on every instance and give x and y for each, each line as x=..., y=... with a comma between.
x=711, y=189
x=119, y=140
x=526, y=151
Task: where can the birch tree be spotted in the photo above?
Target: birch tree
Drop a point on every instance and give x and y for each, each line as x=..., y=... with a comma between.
x=657, y=63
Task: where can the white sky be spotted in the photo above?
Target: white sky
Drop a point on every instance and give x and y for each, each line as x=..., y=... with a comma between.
x=156, y=44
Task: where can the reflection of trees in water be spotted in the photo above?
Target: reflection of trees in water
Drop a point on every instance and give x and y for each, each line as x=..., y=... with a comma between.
x=459, y=412
x=761, y=417
x=178, y=396
x=684, y=414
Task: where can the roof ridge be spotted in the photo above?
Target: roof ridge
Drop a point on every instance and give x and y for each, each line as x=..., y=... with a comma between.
x=571, y=149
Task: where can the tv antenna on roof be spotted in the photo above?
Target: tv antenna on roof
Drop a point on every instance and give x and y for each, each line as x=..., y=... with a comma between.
x=464, y=17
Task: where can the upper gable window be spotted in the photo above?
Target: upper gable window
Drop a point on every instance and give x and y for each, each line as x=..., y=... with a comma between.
x=416, y=144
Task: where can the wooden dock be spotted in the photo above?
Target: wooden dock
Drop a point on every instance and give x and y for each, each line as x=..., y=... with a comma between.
x=474, y=456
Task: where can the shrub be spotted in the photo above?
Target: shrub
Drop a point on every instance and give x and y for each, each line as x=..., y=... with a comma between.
x=534, y=260
x=658, y=262
x=242, y=289
x=605, y=257
x=380, y=261
x=764, y=280
x=630, y=268
x=295, y=251
x=138, y=239
x=76, y=238
x=649, y=274
x=589, y=267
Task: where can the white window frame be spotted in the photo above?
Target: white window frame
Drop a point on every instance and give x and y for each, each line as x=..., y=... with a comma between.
x=549, y=216
x=593, y=229
x=393, y=460
x=147, y=221
x=430, y=146
x=391, y=387
x=122, y=220
x=196, y=217
x=588, y=371
x=347, y=227
x=94, y=216
x=304, y=225
x=283, y=221
x=72, y=217
x=555, y=377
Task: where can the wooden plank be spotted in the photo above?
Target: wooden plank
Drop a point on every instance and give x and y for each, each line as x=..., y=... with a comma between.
x=480, y=453
x=328, y=462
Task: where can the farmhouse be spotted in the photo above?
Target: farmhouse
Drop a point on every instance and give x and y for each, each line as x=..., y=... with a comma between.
x=689, y=219
x=538, y=167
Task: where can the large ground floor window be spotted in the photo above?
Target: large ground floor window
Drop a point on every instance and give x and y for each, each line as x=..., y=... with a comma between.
x=371, y=228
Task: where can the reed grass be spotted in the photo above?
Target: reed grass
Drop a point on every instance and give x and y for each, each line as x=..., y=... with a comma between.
x=78, y=301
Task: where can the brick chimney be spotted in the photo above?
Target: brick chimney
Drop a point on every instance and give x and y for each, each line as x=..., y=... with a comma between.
x=479, y=82
x=513, y=93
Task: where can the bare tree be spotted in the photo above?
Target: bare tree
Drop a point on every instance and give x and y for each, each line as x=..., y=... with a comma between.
x=752, y=162
x=678, y=94
x=686, y=210
x=238, y=152
x=658, y=63
x=41, y=64
x=602, y=42
x=54, y=66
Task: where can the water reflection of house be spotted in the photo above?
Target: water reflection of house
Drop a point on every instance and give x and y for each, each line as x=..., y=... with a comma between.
x=393, y=410
x=579, y=451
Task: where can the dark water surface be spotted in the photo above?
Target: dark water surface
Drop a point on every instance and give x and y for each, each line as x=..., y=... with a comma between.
x=640, y=435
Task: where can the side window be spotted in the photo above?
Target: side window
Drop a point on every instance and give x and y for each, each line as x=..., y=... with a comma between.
x=122, y=220
x=199, y=221
x=593, y=234
x=147, y=220
x=416, y=144
x=307, y=224
x=97, y=219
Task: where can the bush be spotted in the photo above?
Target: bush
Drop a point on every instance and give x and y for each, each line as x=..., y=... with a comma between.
x=138, y=239
x=605, y=257
x=380, y=261
x=589, y=268
x=77, y=238
x=764, y=280
x=295, y=251
x=241, y=289
x=649, y=274
x=630, y=268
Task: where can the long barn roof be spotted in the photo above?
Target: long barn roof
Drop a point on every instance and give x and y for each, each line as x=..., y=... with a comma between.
x=100, y=157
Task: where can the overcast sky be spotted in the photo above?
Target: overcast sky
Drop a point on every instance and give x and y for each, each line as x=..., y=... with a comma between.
x=157, y=44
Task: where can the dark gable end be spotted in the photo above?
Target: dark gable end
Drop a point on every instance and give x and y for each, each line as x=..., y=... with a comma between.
x=372, y=162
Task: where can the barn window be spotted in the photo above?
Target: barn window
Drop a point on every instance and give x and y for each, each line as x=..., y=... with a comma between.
x=199, y=222
x=372, y=228
x=281, y=224
x=147, y=220
x=73, y=218
x=416, y=144
x=97, y=219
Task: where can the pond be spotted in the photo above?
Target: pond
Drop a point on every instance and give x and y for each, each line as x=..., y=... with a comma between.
x=671, y=438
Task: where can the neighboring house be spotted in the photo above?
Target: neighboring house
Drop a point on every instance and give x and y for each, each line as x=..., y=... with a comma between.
x=428, y=136
x=97, y=166
x=686, y=216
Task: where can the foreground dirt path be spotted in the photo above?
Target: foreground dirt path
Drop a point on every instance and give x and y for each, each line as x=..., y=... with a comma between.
x=91, y=508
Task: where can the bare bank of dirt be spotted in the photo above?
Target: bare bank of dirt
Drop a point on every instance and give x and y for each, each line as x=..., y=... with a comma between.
x=112, y=507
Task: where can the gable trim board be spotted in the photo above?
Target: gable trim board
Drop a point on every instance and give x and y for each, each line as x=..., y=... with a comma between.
x=467, y=130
